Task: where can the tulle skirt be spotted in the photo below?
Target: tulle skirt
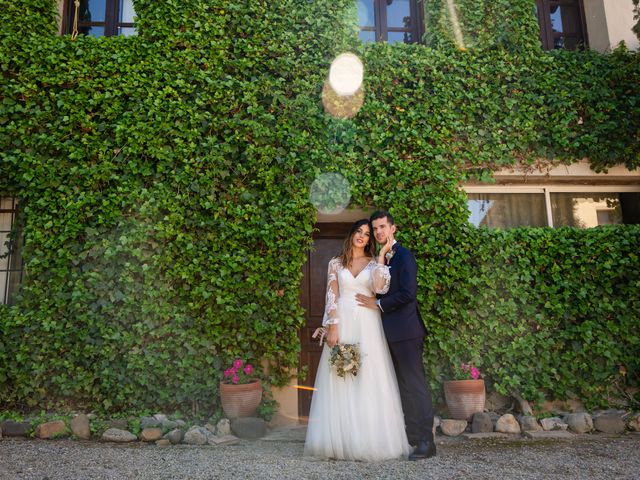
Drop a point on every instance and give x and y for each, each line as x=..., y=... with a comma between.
x=358, y=418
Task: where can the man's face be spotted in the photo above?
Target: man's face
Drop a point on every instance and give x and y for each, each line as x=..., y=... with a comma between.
x=382, y=229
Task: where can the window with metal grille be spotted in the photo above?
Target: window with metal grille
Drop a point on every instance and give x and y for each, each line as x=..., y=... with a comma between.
x=390, y=21
x=10, y=250
x=101, y=17
x=562, y=24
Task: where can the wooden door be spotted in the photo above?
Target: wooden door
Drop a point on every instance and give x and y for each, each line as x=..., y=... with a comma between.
x=327, y=243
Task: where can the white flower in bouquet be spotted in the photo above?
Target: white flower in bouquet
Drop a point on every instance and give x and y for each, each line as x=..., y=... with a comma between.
x=345, y=358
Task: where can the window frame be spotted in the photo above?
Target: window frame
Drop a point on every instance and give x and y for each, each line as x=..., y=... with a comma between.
x=547, y=36
x=547, y=190
x=110, y=23
x=7, y=296
x=416, y=13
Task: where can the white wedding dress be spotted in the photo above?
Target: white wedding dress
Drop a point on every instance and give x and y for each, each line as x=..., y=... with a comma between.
x=356, y=418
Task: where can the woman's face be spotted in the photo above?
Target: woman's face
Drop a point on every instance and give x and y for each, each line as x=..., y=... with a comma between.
x=361, y=236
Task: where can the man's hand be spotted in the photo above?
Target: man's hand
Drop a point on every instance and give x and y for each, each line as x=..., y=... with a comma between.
x=386, y=248
x=368, y=302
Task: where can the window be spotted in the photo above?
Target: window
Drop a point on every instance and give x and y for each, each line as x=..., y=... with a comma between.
x=390, y=21
x=592, y=209
x=570, y=206
x=10, y=251
x=507, y=209
x=562, y=24
x=102, y=17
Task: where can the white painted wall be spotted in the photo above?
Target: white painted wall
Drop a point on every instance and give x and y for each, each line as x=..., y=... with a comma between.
x=608, y=23
x=60, y=14
x=619, y=15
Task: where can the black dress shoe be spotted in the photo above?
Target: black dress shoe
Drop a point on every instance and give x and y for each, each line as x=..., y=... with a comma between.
x=424, y=450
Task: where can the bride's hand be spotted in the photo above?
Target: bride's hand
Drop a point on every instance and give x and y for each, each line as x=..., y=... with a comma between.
x=332, y=336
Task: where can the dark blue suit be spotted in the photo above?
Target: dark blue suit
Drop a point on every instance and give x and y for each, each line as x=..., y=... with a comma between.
x=405, y=333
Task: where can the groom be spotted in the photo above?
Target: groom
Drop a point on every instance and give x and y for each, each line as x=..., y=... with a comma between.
x=405, y=333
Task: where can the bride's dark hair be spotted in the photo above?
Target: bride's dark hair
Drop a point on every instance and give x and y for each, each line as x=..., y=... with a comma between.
x=346, y=256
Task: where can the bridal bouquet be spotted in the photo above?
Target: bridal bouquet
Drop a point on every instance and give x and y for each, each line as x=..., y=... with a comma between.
x=346, y=359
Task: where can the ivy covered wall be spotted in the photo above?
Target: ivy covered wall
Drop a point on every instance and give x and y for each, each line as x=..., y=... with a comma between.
x=164, y=185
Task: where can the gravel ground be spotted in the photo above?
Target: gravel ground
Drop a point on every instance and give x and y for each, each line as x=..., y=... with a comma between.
x=585, y=457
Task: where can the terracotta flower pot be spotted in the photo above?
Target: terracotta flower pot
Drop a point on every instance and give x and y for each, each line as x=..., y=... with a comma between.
x=240, y=400
x=464, y=398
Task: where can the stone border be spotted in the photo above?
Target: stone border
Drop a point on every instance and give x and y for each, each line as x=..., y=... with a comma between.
x=158, y=429
x=163, y=431
x=564, y=425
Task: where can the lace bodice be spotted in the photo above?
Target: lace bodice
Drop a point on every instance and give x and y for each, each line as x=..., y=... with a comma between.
x=341, y=284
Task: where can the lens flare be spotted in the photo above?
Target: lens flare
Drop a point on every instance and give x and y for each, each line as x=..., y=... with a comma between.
x=341, y=107
x=342, y=92
x=330, y=193
x=304, y=387
x=346, y=74
x=455, y=25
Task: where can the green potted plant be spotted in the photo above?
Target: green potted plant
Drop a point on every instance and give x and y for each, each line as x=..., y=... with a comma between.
x=240, y=390
x=465, y=394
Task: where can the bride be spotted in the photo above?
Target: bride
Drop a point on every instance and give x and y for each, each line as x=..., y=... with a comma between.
x=356, y=417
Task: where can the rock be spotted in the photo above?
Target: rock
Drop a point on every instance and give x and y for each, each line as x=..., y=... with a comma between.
x=175, y=436
x=119, y=436
x=163, y=442
x=436, y=424
x=223, y=427
x=15, y=429
x=494, y=418
x=210, y=428
x=453, y=428
x=119, y=423
x=555, y=434
x=481, y=423
x=80, y=426
x=496, y=402
x=574, y=405
x=579, y=422
x=223, y=440
x=523, y=405
x=507, y=423
x=91, y=416
x=528, y=423
x=485, y=435
x=569, y=406
x=149, y=422
x=436, y=421
x=169, y=424
x=56, y=428
x=161, y=417
x=180, y=423
x=249, y=427
x=150, y=434
x=633, y=422
x=609, y=423
x=553, y=423
x=196, y=436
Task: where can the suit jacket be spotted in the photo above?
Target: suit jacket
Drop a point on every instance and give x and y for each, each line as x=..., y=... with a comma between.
x=400, y=316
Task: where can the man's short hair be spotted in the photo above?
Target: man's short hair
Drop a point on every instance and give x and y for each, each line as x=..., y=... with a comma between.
x=378, y=214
